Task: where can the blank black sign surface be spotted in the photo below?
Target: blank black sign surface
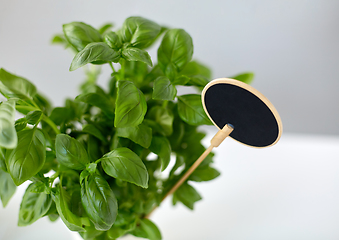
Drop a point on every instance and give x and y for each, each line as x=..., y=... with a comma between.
x=253, y=121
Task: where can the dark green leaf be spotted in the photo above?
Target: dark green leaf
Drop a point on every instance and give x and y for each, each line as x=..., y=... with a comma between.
x=180, y=80
x=124, y=164
x=94, y=52
x=63, y=202
x=136, y=54
x=15, y=86
x=99, y=101
x=93, y=148
x=187, y=195
x=99, y=201
x=7, y=187
x=163, y=89
x=33, y=206
x=245, y=77
x=141, y=134
x=93, y=130
x=130, y=106
x=175, y=51
x=140, y=32
x=79, y=34
x=191, y=111
x=147, y=229
x=113, y=40
x=70, y=152
x=3, y=159
x=20, y=124
x=61, y=115
x=161, y=147
x=28, y=157
x=33, y=117
x=8, y=136
x=195, y=68
x=43, y=103
x=204, y=174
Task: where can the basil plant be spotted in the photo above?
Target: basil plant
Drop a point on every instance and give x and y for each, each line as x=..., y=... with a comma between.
x=98, y=161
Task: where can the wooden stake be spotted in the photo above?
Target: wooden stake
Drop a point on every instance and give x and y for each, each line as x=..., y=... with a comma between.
x=215, y=142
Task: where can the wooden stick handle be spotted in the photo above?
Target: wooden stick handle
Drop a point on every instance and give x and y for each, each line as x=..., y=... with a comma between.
x=215, y=142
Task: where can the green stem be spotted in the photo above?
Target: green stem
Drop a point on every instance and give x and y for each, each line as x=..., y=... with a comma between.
x=122, y=69
x=112, y=67
x=51, y=124
x=164, y=104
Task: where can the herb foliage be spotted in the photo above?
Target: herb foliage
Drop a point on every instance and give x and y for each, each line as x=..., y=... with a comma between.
x=104, y=182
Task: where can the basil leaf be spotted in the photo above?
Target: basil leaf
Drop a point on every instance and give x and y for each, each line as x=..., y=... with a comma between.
x=33, y=206
x=28, y=157
x=104, y=28
x=62, y=201
x=8, y=136
x=93, y=148
x=163, y=89
x=7, y=187
x=61, y=115
x=163, y=117
x=136, y=54
x=79, y=34
x=161, y=147
x=93, y=130
x=94, y=52
x=124, y=164
x=195, y=68
x=147, y=229
x=99, y=201
x=113, y=40
x=204, y=174
x=187, y=195
x=20, y=124
x=140, y=32
x=98, y=100
x=130, y=106
x=141, y=134
x=191, y=111
x=3, y=159
x=33, y=117
x=245, y=77
x=16, y=86
x=43, y=103
x=180, y=80
x=175, y=51
x=70, y=152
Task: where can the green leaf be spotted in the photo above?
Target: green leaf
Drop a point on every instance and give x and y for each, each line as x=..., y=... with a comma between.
x=124, y=164
x=180, y=80
x=15, y=86
x=104, y=28
x=140, y=32
x=245, y=77
x=163, y=117
x=204, y=174
x=28, y=157
x=99, y=101
x=187, y=195
x=8, y=136
x=113, y=40
x=130, y=106
x=141, y=134
x=99, y=201
x=61, y=115
x=79, y=34
x=33, y=206
x=195, y=68
x=3, y=159
x=94, y=52
x=175, y=51
x=191, y=111
x=62, y=201
x=20, y=124
x=147, y=229
x=33, y=117
x=70, y=152
x=161, y=147
x=93, y=130
x=7, y=187
x=136, y=54
x=163, y=89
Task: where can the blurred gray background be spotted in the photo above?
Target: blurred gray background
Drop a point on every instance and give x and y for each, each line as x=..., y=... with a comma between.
x=291, y=46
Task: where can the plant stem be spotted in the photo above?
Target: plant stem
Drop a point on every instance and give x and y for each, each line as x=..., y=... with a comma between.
x=122, y=69
x=112, y=67
x=51, y=124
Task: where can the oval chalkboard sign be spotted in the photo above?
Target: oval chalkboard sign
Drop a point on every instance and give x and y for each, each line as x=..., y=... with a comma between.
x=255, y=120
